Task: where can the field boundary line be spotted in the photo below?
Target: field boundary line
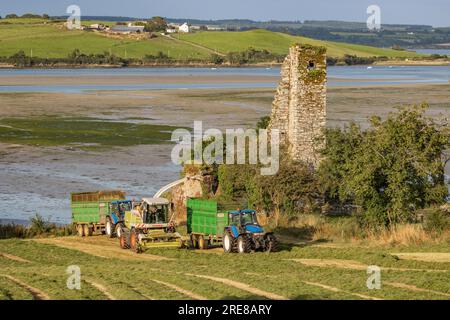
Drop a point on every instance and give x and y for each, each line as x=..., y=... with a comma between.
x=242, y=286
x=101, y=288
x=414, y=288
x=353, y=265
x=13, y=257
x=38, y=294
x=180, y=290
x=334, y=289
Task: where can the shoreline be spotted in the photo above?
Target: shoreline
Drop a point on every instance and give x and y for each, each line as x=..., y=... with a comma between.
x=4, y=66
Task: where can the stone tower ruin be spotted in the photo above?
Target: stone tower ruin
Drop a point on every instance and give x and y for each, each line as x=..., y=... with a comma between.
x=299, y=108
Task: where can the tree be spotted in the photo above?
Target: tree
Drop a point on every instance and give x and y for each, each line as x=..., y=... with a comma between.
x=390, y=170
x=11, y=16
x=156, y=24
x=45, y=16
x=20, y=59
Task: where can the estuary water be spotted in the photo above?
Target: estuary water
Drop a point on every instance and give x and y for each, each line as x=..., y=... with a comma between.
x=337, y=76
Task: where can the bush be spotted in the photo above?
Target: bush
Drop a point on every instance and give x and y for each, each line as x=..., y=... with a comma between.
x=216, y=59
x=437, y=222
x=390, y=170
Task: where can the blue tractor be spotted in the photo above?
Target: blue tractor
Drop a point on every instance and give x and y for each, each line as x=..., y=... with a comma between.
x=115, y=217
x=244, y=234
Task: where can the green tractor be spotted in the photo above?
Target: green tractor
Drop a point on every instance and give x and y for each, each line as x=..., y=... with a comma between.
x=148, y=225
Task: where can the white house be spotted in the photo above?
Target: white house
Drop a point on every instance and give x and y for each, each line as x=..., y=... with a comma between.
x=185, y=28
x=171, y=29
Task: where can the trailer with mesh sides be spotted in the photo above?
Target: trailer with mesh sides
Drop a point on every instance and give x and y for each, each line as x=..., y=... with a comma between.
x=90, y=210
x=205, y=224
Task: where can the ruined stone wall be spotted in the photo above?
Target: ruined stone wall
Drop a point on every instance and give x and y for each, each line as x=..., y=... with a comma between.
x=299, y=108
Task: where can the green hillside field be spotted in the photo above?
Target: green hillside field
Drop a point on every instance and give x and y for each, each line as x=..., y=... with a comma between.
x=276, y=42
x=52, y=40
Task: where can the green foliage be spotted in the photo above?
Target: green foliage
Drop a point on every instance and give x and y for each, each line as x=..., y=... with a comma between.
x=156, y=24
x=437, y=222
x=252, y=55
x=216, y=59
x=263, y=123
x=291, y=190
x=354, y=60
x=390, y=170
x=38, y=227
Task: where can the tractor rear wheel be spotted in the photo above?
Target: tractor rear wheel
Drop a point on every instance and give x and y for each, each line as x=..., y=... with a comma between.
x=124, y=244
x=202, y=243
x=80, y=230
x=271, y=243
x=229, y=243
x=109, y=228
x=244, y=244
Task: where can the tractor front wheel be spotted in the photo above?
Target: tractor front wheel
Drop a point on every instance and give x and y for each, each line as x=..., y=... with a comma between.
x=244, y=244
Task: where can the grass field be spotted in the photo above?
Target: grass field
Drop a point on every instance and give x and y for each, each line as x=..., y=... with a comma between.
x=279, y=43
x=36, y=269
x=51, y=40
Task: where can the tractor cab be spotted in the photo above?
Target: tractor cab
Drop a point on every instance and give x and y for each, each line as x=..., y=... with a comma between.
x=245, y=221
x=148, y=225
x=150, y=213
x=118, y=209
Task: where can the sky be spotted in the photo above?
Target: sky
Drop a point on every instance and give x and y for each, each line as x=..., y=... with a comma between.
x=429, y=12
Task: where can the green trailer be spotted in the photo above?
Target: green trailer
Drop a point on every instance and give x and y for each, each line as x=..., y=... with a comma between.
x=205, y=224
x=91, y=209
x=237, y=230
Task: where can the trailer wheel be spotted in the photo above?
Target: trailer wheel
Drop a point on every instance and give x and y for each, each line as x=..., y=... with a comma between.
x=87, y=229
x=194, y=241
x=272, y=243
x=202, y=243
x=80, y=230
x=109, y=228
x=244, y=244
x=124, y=241
x=229, y=243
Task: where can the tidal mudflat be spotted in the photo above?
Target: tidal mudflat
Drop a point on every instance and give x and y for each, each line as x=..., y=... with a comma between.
x=54, y=143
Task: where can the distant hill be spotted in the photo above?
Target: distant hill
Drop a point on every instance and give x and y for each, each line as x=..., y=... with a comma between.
x=279, y=43
x=45, y=39
x=403, y=35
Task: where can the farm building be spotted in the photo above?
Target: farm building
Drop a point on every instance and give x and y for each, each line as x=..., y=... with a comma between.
x=185, y=28
x=127, y=29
